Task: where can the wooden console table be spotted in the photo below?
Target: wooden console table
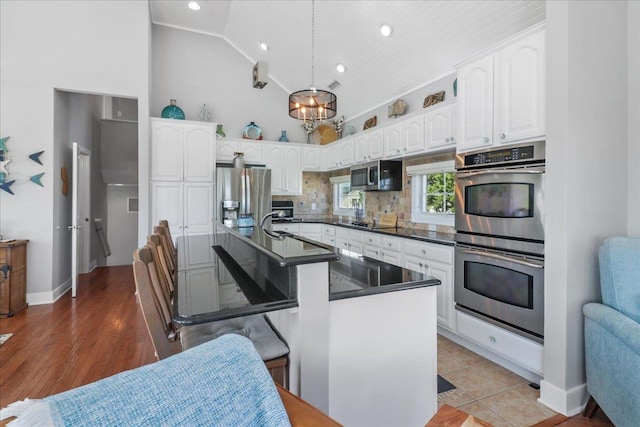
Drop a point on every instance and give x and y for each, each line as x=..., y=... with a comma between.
x=13, y=277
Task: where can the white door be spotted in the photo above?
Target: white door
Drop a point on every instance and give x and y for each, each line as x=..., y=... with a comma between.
x=79, y=213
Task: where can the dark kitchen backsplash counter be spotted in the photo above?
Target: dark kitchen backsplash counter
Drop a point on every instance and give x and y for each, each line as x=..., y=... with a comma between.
x=410, y=233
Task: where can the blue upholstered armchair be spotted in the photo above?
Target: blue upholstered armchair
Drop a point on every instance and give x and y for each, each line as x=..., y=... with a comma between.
x=612, y=335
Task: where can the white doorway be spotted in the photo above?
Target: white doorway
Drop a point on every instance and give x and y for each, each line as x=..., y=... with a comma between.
x=80, y=214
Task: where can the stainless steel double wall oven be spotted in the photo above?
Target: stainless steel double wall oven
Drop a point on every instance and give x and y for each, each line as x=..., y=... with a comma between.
x=499, y=264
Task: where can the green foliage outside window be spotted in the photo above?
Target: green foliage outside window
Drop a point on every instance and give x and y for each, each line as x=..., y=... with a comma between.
x=439, y=192
x=348, y=199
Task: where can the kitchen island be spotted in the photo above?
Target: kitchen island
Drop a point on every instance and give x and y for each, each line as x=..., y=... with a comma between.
x=361, y=333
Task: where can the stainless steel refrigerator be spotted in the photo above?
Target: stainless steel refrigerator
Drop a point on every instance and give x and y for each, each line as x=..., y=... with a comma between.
x=243, y=195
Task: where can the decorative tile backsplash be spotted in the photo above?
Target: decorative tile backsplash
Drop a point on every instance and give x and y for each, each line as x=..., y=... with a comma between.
x=316, y=188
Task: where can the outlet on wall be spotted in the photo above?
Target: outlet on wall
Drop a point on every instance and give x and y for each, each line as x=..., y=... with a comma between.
x=313, y=206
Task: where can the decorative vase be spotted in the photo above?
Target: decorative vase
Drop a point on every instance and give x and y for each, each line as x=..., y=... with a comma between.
x=455, y=87
x=238, y=160
x=252, y=131
x=220, y=132
x=172, y=111
x=283, y=137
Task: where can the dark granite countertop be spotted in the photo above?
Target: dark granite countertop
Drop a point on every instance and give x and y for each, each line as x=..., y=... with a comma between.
x=355, y=275
x=409, y=233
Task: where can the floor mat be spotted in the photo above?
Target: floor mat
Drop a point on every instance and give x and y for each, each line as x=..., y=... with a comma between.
x=444, y=385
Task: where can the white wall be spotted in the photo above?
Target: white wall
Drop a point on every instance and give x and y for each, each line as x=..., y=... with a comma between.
x=196, y=69
x=91, y=46
x=123, y=225
x=633, y=77
x=586, y=162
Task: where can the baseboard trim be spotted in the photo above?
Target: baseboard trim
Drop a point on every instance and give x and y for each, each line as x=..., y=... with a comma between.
x=41, y=298
x=567, y=402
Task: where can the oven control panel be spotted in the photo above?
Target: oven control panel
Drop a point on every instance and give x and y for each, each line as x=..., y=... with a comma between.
x=526, y=153
x=500, y=156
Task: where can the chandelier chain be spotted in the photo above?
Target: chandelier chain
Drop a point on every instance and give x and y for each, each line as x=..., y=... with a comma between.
x=313, y=40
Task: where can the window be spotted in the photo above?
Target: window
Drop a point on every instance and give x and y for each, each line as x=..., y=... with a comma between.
x=345, y=201
x=433, y=193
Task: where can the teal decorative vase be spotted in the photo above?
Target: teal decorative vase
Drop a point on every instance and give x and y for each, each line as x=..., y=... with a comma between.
x=220, y=132
x=172, y=111
x=283, y=137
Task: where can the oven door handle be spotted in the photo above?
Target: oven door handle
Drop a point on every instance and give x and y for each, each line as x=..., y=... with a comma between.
x=502, y=258
x=499, y=171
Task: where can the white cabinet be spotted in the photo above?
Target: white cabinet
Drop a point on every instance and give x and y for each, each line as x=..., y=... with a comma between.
x=252, y=150
x=231, y=296
x=519, y=103
x=501, y=96
x=182, y=151
x=198, y=290
x=286, y=170
x=286, y=226
x=329, y=235
x=391, y=250
x=311, y=158
x=405, y=137
x=341, y=154
x=188, y=207
x=437, y=261
x=342, y=238
x=369, y=146
x=311, y=231
x=440, y=127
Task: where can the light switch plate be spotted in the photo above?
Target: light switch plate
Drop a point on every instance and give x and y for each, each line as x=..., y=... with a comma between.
x=313, y=206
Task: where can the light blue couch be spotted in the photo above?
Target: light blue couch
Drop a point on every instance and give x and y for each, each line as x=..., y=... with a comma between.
x=612, y=334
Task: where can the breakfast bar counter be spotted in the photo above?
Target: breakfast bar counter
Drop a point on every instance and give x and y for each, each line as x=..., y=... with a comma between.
x=361, y=332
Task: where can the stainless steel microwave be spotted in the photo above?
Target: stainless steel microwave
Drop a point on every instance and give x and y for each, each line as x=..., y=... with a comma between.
x=381, y=175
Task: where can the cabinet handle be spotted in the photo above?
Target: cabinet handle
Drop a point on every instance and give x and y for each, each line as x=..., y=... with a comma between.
x=492, y=339
x=452, y=139
x=503, y=136
x=405, y=148
x=446, y=140
x=389, y=244
x=486, y=139
x=424, y=251
x=398, y=150
x=420, y=264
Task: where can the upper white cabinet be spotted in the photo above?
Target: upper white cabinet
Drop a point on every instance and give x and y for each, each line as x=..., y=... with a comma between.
x=341, y=154
x=182, y=151
x=440, y=127
x=252, y=150
x=286, y=170
x=369, y=146
x=501, y=96
x=405, y=137
x=311, y=158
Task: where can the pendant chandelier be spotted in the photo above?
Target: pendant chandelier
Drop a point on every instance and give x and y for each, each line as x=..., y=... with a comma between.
x=312, y=105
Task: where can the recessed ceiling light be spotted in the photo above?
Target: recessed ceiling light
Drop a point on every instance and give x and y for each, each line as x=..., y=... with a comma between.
x=194, y=5
x=264, y=46
x=386, y=30
x=341, y=68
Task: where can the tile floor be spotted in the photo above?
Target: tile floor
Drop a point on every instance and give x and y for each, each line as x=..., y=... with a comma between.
x=487, y=390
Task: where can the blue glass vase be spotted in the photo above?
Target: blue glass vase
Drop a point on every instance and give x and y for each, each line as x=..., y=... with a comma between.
x=283, y=137
x=172, y=111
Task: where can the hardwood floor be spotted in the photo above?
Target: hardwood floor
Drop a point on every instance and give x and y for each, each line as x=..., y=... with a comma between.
x=74, y=342
x=99, y=333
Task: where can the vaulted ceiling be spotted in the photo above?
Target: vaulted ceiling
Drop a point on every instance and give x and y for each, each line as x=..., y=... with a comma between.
x=429, y=38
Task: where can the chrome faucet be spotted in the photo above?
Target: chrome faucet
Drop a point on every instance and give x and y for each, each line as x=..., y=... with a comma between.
x=280, y=214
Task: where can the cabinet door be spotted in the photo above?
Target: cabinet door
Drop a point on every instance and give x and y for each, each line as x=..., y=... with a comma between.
x=225, y=150
x=475, y=104
x=198, y=208
x=166, y=151
x=293, y=170
x=361, y=152
x=346, y=153
x=311, y=158
x=333, y=157
x=375, y=144
x=520, y=90
x=252, y=152
x=413, y=134
x=199, y=153
x=392, y=136
x=415, y=264
x=444, y=273
x=439, y=127
x=166, y=203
